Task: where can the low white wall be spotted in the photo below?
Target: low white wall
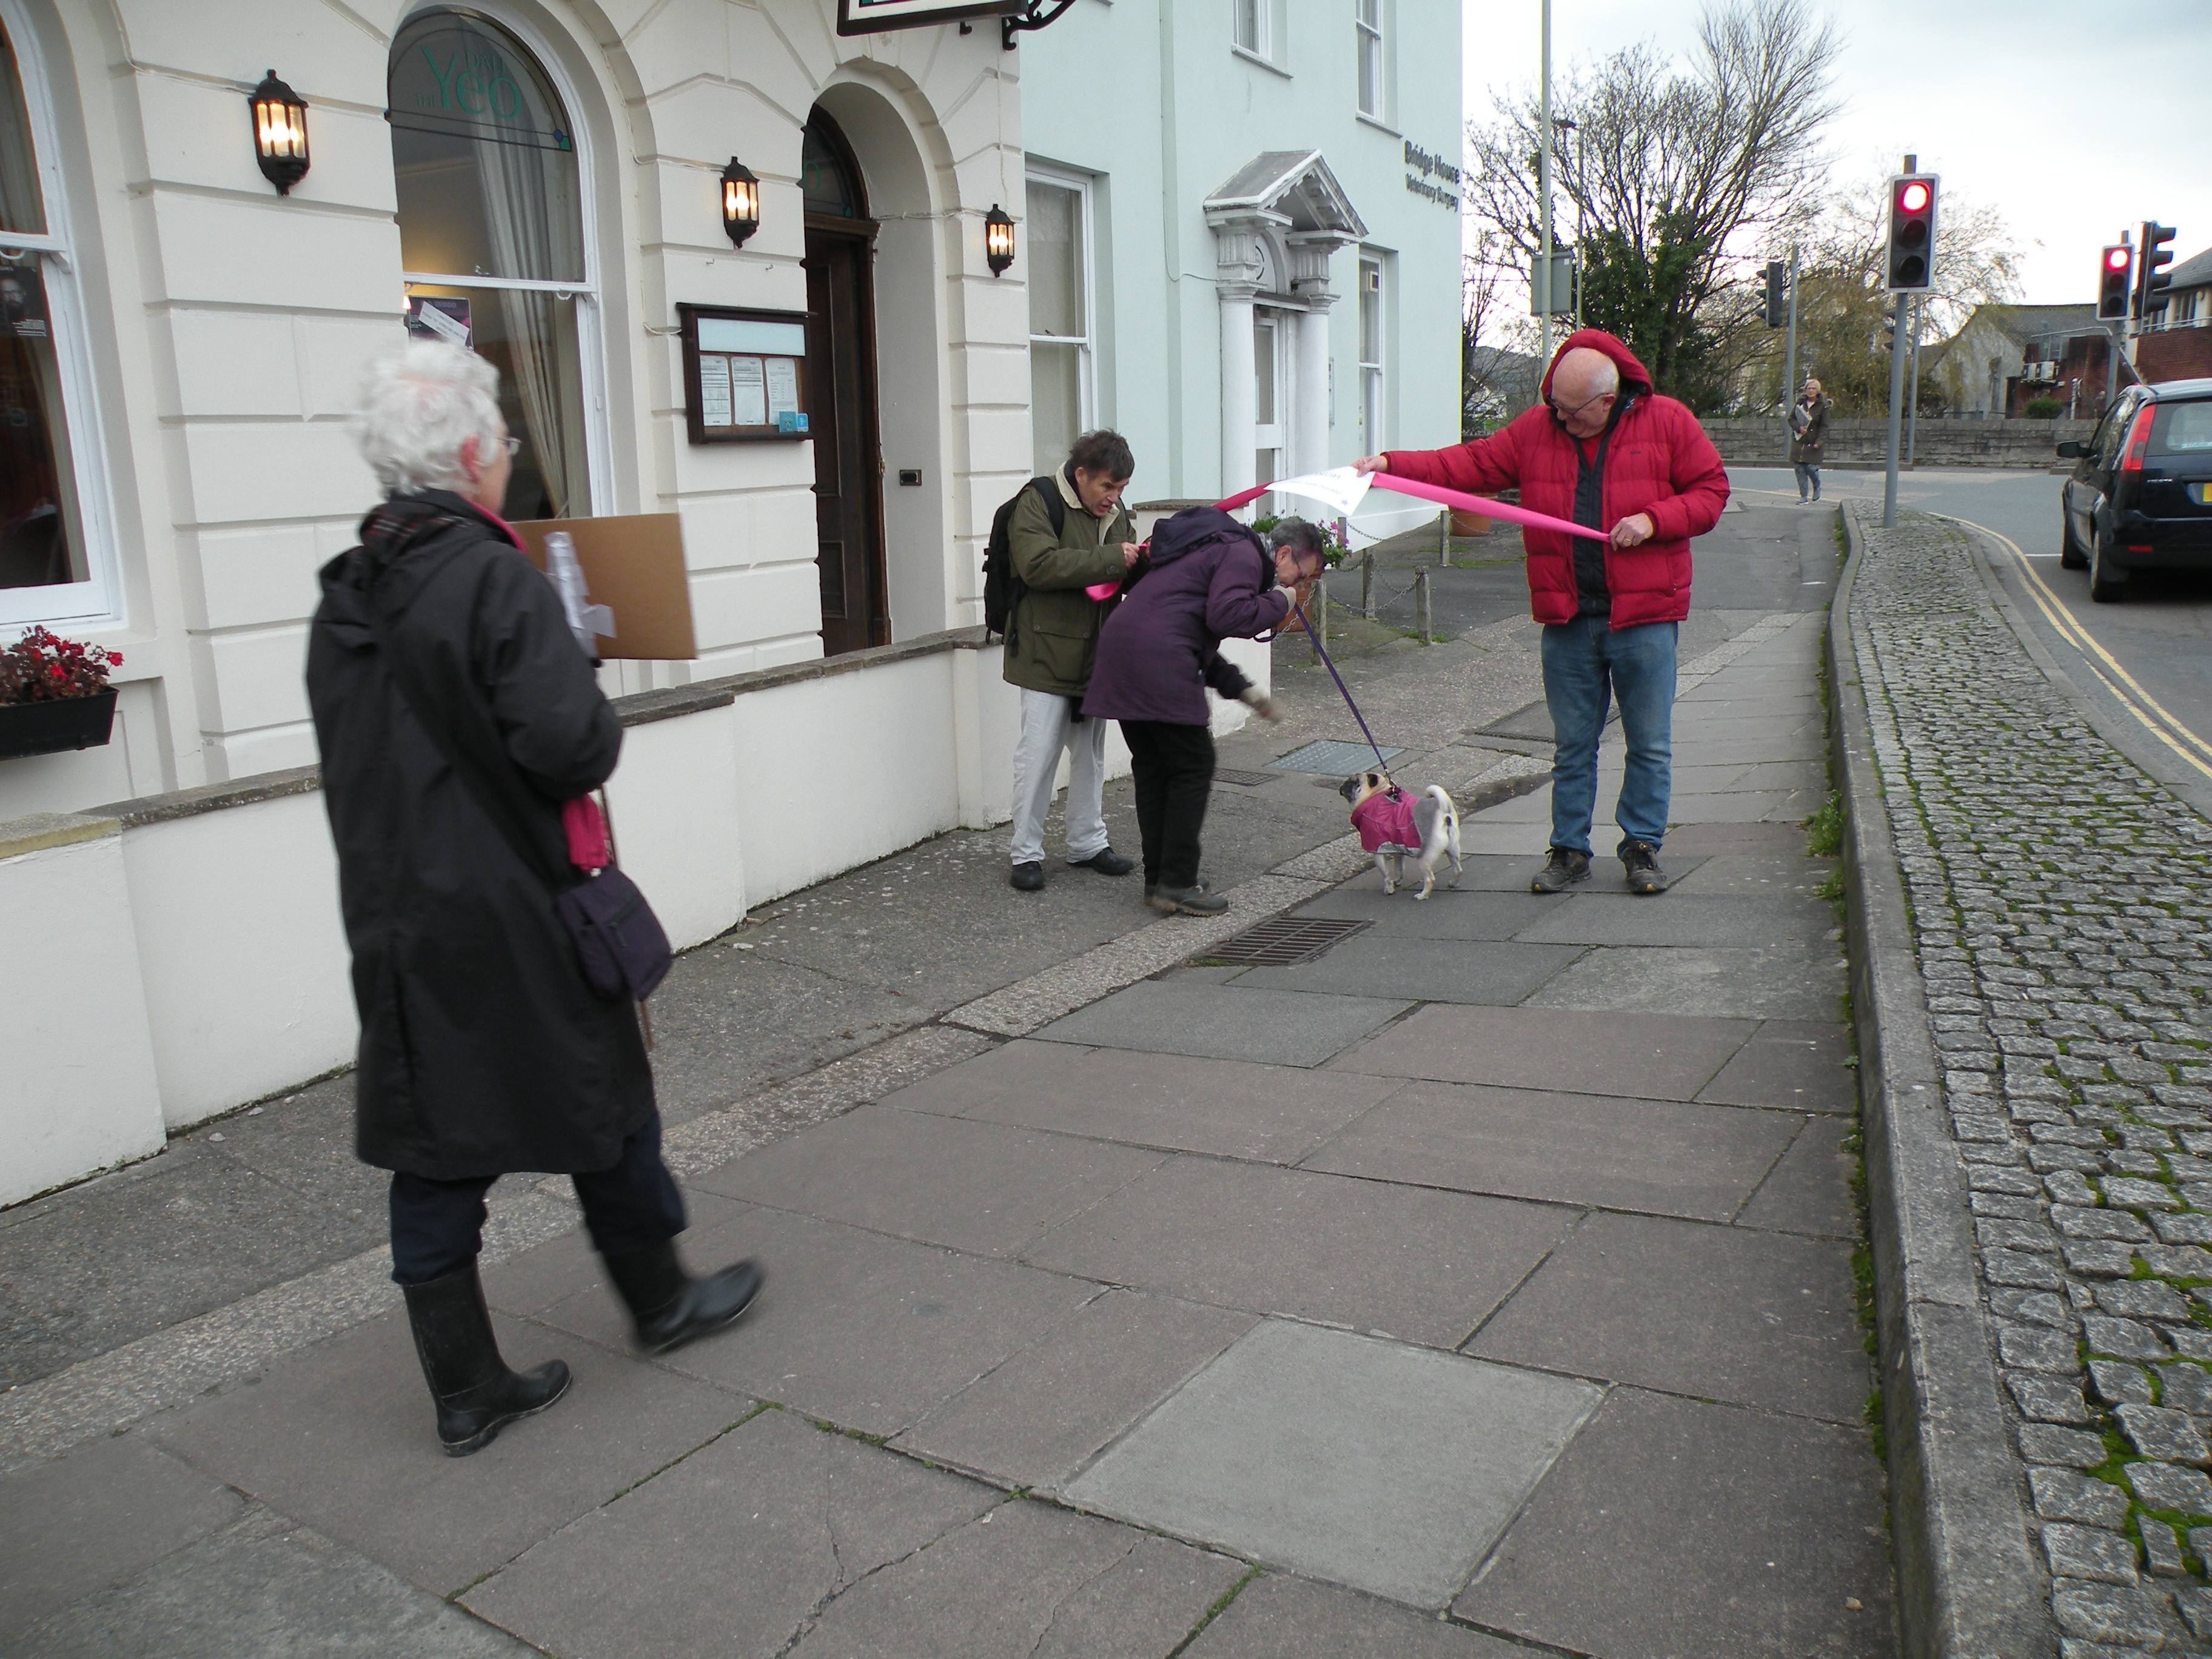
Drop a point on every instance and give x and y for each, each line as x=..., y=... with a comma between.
x=77, y=1092
x=674, y=803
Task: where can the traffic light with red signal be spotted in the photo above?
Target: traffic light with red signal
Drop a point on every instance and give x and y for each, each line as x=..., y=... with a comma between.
x=1911, y=265
x=2115, y=271
x=2151, y=280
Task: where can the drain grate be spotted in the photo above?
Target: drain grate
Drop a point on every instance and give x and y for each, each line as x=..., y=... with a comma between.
x=1245, y=779
x=1335, y=759
x=1284, y=941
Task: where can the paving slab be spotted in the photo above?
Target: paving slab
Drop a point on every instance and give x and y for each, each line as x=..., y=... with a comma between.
x=1749, y=875
x=730, y=1551
x=1224, y=1022
x=1423, y=1265
x=533, y=1280
x=1481, y=834
x=1463, y=914
x=95, y=1519
x=1721, y=1313
x=863, y=1331
x=342, y=1436
x=1036, y=1420
x=1387, y=1467
x=1733, y=806
x=1781, y=982
x=1658, y=1157
x=265, y=1587
x=1430, y=969
x=1479, y=873
x=1027, y=1582
x=983, y=1188
x=1724, y=838
x=1681, y=919
x=1795, y=1064
x=1233, y=1108
x=1682, y=1529
x=1647, y=1056
x=1273, y=1616
x=1809, y=1191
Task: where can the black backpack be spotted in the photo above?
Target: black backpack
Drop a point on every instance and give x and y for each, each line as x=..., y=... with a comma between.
x=1002, y=588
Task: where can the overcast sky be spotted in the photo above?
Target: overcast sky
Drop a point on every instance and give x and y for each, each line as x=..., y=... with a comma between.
x=2015, y=102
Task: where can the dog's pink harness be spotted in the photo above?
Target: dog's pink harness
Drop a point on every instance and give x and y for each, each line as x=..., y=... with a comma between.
x=1387, y=820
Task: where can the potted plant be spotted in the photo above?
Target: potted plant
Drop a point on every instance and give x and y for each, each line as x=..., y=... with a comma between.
x=54, y=694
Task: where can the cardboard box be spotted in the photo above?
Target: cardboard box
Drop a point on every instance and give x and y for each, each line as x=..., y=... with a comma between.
x=635, y=566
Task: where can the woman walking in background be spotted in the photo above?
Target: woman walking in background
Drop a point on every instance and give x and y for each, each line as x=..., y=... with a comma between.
x=1808, y=429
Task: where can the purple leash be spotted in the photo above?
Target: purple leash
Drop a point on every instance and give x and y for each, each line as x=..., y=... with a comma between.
x=1321, y=650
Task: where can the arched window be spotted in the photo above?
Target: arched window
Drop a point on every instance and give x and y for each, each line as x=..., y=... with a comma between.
x=53, y=545
x=492, y=238
x=827, y=177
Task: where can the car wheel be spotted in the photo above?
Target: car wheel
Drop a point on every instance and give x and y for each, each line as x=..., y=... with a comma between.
x=2070, y=556
x=2107, y=585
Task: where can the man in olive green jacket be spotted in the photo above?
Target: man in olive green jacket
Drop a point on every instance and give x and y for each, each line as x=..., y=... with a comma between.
x=1052, y=638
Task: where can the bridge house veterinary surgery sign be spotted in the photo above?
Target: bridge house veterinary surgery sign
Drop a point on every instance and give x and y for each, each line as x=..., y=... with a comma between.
x=1421, y=167
x=877, y=16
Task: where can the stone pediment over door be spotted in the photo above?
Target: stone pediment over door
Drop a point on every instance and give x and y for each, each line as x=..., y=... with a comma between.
x=1278, y=218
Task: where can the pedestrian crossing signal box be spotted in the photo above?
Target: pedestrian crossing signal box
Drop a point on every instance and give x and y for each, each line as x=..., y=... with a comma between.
x=1910, y=265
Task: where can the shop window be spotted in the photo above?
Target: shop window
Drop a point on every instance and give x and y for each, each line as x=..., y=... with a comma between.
x=53, y=562
x=1371, y=435
x=1368, y=40
x=1057, y=235
x=492, y=237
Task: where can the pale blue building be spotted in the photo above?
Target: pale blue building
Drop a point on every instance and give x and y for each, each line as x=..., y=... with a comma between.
x=1242, y=235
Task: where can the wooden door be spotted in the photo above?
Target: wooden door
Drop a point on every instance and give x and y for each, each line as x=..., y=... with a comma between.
x=840, y=388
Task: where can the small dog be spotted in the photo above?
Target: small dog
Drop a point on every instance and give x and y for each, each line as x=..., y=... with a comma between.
x=1392, y=823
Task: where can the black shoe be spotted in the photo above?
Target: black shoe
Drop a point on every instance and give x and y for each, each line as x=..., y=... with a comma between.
x=1640, y=859
x=1564, y=867
x=669, y=1307
x=1152, y=887
x=1027, y=878
x=476, y=1393
x=1187, y=901
x=1106, y=861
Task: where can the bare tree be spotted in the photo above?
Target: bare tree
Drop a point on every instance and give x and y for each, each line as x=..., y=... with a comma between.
x=1669, y=171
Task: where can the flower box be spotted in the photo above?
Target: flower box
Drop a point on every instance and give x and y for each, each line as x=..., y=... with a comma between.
x=57, y=724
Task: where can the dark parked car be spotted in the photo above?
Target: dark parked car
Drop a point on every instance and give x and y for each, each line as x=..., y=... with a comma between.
x=2140, y=497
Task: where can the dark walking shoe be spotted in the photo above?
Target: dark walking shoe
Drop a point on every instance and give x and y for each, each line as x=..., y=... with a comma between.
x=1106, y=861
x=1564, y=867
x=1640, y=859
x=1027, y=878
x=1187, y=901
x=1153, y=887
x=669, y=1306
x=476, y=1395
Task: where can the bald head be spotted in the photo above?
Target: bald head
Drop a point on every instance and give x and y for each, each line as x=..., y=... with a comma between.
x=1582, y=383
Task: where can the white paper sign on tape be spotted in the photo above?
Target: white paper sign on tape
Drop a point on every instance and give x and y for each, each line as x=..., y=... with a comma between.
x=1340, y=489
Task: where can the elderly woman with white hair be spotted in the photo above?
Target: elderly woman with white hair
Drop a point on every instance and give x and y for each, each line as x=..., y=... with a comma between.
x=456, y=716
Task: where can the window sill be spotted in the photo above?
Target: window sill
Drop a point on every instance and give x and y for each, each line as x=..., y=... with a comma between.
x=1251, y=57
x=1379, y=124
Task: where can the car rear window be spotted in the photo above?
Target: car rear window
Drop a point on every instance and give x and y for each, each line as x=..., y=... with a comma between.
x=2182, y=429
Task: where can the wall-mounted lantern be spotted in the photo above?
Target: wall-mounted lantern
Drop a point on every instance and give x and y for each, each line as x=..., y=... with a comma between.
x=280, y=132
x=998, y=239
x=740, y=201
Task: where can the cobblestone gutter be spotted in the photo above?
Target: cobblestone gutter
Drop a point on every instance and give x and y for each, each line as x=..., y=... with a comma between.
x=2030, y=981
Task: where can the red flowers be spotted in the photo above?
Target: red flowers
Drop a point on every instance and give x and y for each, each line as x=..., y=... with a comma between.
x=40, y=667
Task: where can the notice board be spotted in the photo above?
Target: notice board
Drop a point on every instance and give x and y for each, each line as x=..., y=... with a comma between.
x=634, y=566
x=745, y=374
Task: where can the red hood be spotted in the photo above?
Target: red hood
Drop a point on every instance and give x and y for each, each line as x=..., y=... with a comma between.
x=1632, y=373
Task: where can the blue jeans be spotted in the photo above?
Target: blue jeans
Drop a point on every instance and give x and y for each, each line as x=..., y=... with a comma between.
x=1588, y=663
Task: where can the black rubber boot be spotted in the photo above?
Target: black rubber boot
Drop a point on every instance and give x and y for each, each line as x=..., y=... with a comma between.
x=477, y=1395
x=669, y=1307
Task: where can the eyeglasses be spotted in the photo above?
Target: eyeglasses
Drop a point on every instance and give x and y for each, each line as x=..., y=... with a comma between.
x=513, y=445
x=1568, y=414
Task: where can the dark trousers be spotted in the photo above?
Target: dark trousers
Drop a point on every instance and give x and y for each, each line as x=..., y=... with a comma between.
x=437, y=1226
x=1172, y=768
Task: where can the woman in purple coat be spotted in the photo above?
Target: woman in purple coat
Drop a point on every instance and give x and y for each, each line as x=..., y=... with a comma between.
x=1209, y=579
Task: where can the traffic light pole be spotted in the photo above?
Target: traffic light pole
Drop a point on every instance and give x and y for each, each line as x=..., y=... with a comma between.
x=1912, y=403
x=1789, y=356
x=1896, y=402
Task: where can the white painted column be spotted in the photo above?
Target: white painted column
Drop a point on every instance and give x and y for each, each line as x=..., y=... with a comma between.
x=1310, y=427
x=1239, y=392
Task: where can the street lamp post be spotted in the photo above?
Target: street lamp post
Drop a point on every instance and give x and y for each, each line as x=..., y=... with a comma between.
x=1540, y=280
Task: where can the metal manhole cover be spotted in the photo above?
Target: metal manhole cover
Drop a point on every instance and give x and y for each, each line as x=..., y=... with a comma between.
x=1338, y=759
x=1284, y=941
x=1247, y=779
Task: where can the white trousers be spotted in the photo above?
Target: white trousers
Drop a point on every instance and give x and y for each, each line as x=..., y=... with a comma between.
x=1047, y=728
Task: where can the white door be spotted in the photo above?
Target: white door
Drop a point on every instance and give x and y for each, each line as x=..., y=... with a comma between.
x=1271, y=395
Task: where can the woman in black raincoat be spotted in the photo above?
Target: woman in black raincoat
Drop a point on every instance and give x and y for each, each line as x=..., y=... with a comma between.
x=484, y=1051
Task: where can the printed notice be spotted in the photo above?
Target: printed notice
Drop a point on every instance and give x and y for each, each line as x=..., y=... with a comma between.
x=749, y=405
x=714, y=390
x=782, y=387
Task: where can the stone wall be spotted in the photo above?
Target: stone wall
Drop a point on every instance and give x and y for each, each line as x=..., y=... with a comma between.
x=1764, y=440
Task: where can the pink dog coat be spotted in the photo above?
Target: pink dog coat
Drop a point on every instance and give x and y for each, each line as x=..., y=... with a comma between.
x=1387, y=820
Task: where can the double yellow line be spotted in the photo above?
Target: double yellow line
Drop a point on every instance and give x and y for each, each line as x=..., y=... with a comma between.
x=2154, y=717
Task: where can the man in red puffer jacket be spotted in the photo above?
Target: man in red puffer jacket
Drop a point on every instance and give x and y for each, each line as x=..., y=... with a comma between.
x=1602, y=449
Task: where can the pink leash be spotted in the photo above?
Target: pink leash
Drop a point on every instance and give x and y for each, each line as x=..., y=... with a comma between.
x=1429, y=492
